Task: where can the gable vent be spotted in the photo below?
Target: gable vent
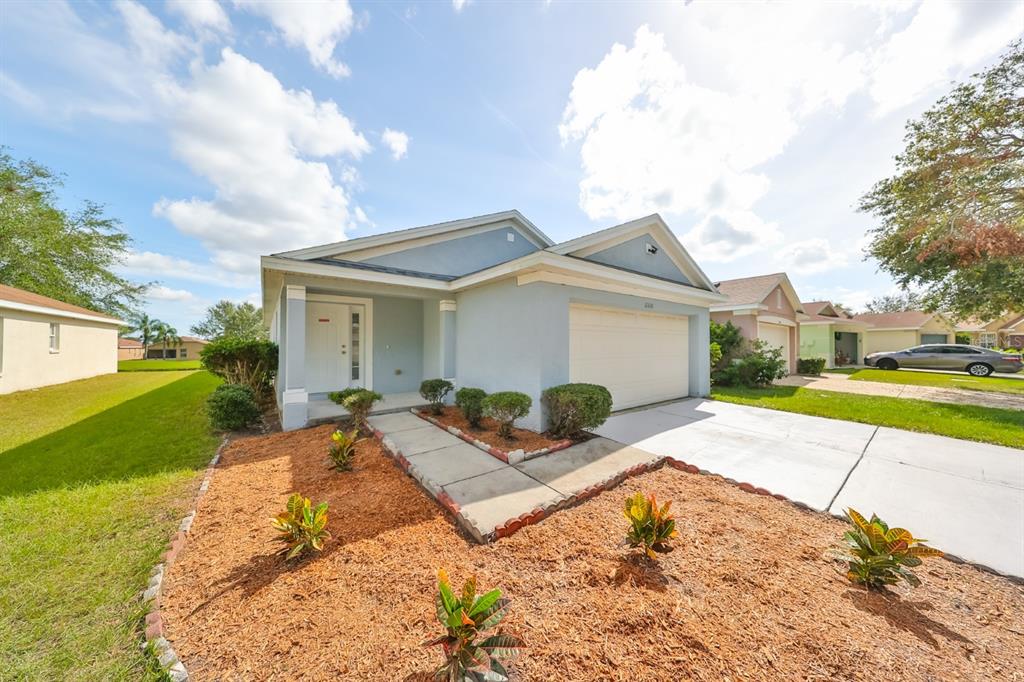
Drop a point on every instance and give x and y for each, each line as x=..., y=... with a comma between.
x=511, y=236
x=651, y=248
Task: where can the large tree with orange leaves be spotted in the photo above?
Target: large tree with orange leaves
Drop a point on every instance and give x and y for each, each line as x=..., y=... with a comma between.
x=952, y=218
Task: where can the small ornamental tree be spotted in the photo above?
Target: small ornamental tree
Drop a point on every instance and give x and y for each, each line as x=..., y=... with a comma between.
x=505, y=408
x=252, y=363
x=434, y=392
x=572, y=408
x=471, y=402
x=359, y=402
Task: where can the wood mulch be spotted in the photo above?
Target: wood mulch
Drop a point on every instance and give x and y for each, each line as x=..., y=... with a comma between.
x=749, y=593
x=488, y=432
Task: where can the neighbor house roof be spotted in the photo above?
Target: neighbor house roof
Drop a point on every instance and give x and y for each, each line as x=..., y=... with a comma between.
x=752, y=291
x=909, y=319
x=1016, y=324
x=19, y=299
x=193, y=339
x=128, y=343
x=824, y=312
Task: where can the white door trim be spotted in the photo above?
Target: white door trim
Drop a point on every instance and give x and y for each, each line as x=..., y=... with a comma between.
x=367, y=341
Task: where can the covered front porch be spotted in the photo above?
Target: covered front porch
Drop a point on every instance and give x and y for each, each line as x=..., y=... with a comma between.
x=841, y=344
x=337, y=333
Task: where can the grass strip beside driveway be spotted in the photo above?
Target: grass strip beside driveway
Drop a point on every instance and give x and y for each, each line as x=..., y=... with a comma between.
x=157, y=365
x=965, y=381
x=86, y=507
x=968, y=422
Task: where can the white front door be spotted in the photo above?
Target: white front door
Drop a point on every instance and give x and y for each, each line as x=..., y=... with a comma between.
x=328, y=346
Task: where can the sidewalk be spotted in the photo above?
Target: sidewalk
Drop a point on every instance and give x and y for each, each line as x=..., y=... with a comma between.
x=842, y=384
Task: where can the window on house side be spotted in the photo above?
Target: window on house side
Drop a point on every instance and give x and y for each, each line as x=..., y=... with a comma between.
x=54, y=337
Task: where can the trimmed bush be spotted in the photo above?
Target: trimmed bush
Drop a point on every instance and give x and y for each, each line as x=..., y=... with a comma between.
x=232, y=407
x=573, y=408
x=340, y=396
x=249, y=362
x=760, y=367
x=359, y=402
x=434, y=392
x=810, y=366
x=471, y=402
x=506, y=407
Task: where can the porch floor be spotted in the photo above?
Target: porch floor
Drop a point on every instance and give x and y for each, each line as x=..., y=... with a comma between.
x=320, y=409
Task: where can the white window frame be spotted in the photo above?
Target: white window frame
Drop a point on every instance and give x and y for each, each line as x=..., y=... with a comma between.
x=988, y=339
x=54, y=337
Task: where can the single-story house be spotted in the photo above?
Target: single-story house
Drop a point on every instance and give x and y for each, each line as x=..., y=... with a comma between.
x=831, y=333
x=1002, y=332
x=187, y=349
x=490, y=302
x=44, y=341
x=129, y=349
x=896, y=331
x=765, y=307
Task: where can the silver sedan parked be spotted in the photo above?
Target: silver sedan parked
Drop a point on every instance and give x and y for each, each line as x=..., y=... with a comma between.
x=979, y=362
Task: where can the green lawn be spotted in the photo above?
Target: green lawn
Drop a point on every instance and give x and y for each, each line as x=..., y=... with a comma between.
x=994, y=384
x=970, y=422
x=156, y=365
x=94, y=478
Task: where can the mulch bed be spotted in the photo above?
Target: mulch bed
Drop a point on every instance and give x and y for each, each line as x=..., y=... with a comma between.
x=749, y=593
x=488, y=432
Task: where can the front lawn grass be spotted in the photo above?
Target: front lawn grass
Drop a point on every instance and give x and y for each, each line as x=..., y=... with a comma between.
x=94, y=478
x=966, y=381
x=156, y=365
x=969, y=422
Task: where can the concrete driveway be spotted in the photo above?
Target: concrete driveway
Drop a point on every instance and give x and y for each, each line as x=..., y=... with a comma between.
x=967, y=498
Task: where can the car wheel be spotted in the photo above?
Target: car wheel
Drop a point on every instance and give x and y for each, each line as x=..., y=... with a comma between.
x=979, y=370
x=887, y=363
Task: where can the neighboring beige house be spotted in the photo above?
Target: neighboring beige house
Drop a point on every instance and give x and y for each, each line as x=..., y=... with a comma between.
x=44, y=341
x=896, y=331
x=1003, y=332
x=129, y=349
x=831, y=333
x=188, y=349
x=764, y=307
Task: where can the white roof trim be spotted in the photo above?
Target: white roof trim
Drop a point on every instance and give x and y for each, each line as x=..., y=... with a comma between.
x=339, y=271
x=55, y=312
x=671, y=244
x=345, y=246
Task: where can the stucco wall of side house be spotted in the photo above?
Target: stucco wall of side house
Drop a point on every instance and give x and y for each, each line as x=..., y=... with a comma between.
x=87, y=349
x=818, y=341
x=748, y=326
x=884, y=340
x=130, y=353
x=516, y=338
x=633, y=255
x=938, y=325
x=461, y=255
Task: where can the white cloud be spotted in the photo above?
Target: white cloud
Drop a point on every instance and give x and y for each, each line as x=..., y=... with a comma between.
x=263, y=148
x=317, y=27
x=202, y=14
x=162, y=293
x=458, y=5
x=811, y=255
x=148, y=264
x=726, y=235
x=396, y=141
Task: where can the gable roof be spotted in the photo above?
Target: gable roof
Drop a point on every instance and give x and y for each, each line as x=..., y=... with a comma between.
x=1016, y=324
x=193, y=339
x=124, y=342
x=18, y=299
x=823, y=308
x=752, y=291
x=908, y=319
x=652, y=224
x=409, y=234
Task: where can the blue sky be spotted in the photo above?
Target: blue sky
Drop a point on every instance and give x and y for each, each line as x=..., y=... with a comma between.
x=221, y=131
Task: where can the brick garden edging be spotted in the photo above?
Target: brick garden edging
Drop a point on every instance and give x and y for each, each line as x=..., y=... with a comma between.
x=506, y=456
x=153, y=593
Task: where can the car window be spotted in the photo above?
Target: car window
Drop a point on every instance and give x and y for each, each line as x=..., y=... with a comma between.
x=923, y=349
x=962, y=349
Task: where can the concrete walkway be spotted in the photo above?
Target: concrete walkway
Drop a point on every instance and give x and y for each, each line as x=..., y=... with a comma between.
x=485, y=493
x=843, y=384
x=967, y=498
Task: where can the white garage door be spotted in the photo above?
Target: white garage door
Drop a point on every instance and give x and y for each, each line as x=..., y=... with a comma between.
x=775, y=335
x=639, y=357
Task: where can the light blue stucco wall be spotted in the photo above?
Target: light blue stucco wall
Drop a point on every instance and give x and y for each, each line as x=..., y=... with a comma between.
x=397, y=344
x=516, y=338
x=632, y=255
x=461, y=255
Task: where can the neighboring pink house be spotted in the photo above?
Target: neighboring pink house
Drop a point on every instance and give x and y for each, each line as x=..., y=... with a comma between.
x=764, y=307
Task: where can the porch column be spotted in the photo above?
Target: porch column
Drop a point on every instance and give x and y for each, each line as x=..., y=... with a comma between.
x=447, y=330
x=294, y=398
x=700, y=353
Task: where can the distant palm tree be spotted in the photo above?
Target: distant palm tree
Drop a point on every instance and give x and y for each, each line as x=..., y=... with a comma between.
x=166, y=334
x=146, y=328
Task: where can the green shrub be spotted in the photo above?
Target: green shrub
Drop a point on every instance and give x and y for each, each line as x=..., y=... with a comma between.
x=963, y=338
x=650, y=527
x=232, y=407
x=340, y=396
x=506, y=407
x=301, y=526
x=359, y=402
x=810, y=366
x=252, y=362
x=573, y=408
x=729, y=339
x=878, y=553
x=760, y=367
x=342, y=448
x=434, y=392
x=471, y=402
x=465, y=617
x=715, y=351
